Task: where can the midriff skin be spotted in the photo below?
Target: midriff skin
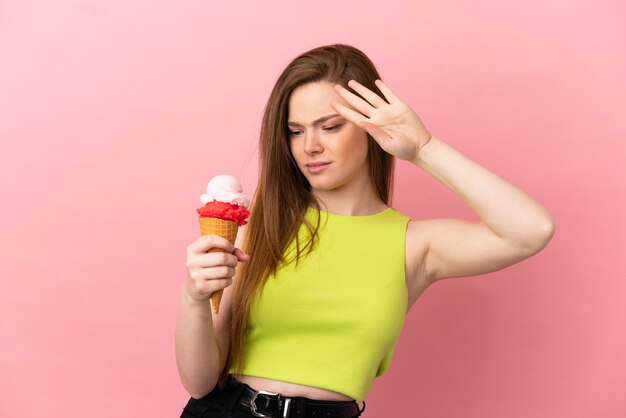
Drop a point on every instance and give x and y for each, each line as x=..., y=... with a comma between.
x=291, y=389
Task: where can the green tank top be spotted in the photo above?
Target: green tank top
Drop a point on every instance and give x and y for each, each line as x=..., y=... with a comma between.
x=333, y=320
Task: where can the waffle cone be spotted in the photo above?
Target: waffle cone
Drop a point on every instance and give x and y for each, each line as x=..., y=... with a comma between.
x=226, y=229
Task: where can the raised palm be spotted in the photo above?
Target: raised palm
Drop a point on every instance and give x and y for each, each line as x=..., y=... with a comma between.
x=392, y=123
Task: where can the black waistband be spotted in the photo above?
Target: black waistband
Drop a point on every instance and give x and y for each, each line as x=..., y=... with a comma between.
x=279, y=406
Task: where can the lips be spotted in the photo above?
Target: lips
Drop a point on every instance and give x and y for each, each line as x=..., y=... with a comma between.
x=317, y=167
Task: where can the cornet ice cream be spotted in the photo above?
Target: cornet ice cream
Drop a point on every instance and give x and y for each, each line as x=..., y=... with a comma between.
x=224, y=211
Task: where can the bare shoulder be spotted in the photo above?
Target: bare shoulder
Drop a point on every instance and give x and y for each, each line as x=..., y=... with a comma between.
x=222, y=321
x=417, y=275
x=421, y=271
x=421, y=237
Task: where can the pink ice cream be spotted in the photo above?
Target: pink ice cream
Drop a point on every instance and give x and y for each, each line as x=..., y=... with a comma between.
x=224, y=199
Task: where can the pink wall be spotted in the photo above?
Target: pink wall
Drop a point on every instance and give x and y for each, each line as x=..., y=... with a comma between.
x=113, y=115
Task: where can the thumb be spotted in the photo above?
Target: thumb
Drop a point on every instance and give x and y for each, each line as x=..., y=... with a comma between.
x=241, y=255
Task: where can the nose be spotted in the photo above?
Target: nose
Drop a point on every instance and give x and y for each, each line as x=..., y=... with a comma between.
x=312, y=145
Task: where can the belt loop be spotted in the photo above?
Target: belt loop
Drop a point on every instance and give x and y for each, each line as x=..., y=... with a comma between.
x=296, y=409
x=359, y=408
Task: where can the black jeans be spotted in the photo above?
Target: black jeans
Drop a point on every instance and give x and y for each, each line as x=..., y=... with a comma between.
x=220, y=403
x=217, y=404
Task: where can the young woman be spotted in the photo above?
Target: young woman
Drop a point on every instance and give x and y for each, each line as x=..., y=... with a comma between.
x=330, y=268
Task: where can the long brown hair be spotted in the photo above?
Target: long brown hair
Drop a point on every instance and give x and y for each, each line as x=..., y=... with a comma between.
x=283, y=193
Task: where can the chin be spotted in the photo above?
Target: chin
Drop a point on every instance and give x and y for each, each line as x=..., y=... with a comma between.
x=325, y=185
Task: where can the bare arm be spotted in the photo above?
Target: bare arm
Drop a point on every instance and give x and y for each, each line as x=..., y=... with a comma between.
x=197, y=353
x=513, y=226
x=202, y=336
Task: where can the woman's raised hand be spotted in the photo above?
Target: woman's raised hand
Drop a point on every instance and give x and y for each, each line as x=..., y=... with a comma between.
x=392, y=123
x=209, y=272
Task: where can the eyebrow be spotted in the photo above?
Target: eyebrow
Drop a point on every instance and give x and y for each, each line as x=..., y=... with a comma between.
x=315, y=122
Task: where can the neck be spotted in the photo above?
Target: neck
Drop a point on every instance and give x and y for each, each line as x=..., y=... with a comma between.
x=353, y=201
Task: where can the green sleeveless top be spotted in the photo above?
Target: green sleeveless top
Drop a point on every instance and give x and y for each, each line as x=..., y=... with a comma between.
x=333, y=320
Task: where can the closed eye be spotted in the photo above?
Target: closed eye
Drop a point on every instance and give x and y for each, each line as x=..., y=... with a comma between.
x=327, y=129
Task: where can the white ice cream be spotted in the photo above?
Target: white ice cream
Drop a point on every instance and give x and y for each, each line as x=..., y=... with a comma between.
x=225, y=188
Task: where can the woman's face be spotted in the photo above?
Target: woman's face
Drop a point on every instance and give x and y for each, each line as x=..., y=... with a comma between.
x=338, y=143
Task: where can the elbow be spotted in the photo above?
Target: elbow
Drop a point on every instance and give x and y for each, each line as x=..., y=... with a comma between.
x=199, y=392
x=198, y=395
x=197, y=387
x=542, y=236
x=547, y=232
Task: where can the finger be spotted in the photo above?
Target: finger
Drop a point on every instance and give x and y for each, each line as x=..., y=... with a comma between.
x=358, y=103
x=371, y=97
x=211, y=273
x=217, y=259
x=389, y=95
x=346, y=112
x=208, y=288
x=206, y=242
x=221, y=272
x=241, y=255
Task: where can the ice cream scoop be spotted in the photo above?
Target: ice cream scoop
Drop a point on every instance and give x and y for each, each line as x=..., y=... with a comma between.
x=225, y=188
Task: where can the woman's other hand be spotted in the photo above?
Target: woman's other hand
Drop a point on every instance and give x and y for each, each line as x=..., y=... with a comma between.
x=392, y=123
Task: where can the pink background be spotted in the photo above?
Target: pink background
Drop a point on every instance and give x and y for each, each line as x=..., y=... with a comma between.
x=114, y=115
